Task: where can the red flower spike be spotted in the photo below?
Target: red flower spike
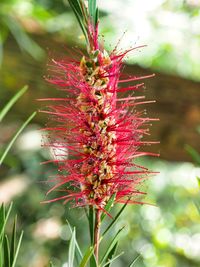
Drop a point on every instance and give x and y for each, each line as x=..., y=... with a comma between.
x=98, y=129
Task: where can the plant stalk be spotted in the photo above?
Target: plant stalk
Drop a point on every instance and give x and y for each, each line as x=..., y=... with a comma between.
x=97, y=234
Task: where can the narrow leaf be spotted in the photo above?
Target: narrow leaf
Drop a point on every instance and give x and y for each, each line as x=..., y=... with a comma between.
x=110, y=255
x=198, y=180
x=24, y=41
x=17, y=250
x=1, y=57
x=193, y=153
x=15, y=137
x=5, y=219
x=93, y=262
x=78, y=250
x=92, y=6
x=91, y=220
x=13, y=241
x=72, y=249
x=2, y=218
x=197, y=206
x=111, y=245
x=12, y=101
x=6, y=252
x=75, y=4
x=134, y=261
x=1, y=254
x=86, y=257
x=91, y=223
x=115, y=219
x=86, y=212
x=113, y=259
x=77, y=9
x=97, y=16
x=108, y=206
x=51, y=264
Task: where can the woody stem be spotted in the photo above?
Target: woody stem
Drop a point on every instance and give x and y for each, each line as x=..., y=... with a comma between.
x=97, y=234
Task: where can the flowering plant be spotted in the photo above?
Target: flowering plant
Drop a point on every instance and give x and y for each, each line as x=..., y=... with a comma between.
x=102, y=132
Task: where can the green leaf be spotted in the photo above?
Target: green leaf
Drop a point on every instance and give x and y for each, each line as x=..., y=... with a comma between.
x=115, y=219
x=51, y=264
x=110, y=255
x=108, y=206
x=197, y=205
x=92, y=6
x=78, y=11
x=97, y=16
x=4, y=243
x=1, y=255
x=1, y=52
x=6, y=252
x=17, y=250
x=10, y=254
x=78, y=250
x=22, y=38
x=93, y=262
x=15, y=136
x=86, y=257
x=86, y=212
x=13, y=241
x=3, y=36
x=4, y=217
x=91, y=219
x=113, y=259
x=134, y=261
x=12, y=101
x=112, y=244
x=72, y=249
x=193, y=153
x=75, y=4
x=198, y=180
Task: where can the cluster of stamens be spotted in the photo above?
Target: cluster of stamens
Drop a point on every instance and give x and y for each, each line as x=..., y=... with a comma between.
x=99, y=142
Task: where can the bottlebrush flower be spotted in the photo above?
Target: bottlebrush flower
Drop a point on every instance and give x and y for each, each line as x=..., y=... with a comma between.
x=101, y=131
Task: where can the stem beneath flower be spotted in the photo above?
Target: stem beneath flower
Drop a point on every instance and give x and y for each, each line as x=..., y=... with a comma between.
x=97, y=234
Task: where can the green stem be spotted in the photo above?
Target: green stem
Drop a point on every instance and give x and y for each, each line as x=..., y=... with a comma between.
x=97, y=234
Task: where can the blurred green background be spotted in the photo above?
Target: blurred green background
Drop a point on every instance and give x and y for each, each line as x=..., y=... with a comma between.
x=34, y=32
